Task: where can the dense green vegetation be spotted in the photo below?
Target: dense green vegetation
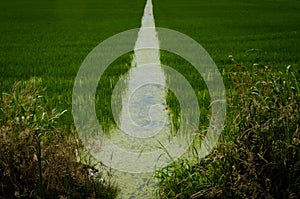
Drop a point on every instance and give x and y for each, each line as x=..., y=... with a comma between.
x=259, y=153
x=50, y=39
x=255, y=45
x=237, y=28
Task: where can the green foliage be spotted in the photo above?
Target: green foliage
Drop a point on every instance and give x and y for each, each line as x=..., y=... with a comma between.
x=259, y=156
x=197, y=83
x=226, y=27
x=50, y=39
x=37, y=159
x=108, y=81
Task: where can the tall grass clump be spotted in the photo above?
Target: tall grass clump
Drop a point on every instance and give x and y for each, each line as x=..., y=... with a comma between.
x=38, y=159
x=259, y=153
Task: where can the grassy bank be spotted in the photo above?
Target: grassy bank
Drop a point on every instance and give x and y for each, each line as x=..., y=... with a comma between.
x=37, y=158
x=258, y=154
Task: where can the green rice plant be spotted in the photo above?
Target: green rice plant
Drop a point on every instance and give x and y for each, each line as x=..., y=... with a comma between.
x=37, y=159
x=255, y=31
x=197, y=83
x=259, y=153
x=107, y=83
x=50, y=39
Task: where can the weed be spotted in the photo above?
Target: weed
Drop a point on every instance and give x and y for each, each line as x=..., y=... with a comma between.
x=259, y=154
x=37, y=159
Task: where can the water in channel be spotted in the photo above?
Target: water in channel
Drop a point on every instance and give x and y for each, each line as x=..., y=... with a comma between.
x=143, y=120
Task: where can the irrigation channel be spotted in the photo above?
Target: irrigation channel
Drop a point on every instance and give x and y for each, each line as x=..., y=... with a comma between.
x=144, y=139
x=143, y=120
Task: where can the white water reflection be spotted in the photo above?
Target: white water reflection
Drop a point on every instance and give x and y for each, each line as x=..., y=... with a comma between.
x=143, y=120
x=144, y=104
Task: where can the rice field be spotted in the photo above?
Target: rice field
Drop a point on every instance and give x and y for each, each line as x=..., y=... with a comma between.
x=250, y=41
x=50, y=40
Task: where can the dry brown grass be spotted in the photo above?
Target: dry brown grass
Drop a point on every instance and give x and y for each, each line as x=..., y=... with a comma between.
x=259, y=155
x=37, y=159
